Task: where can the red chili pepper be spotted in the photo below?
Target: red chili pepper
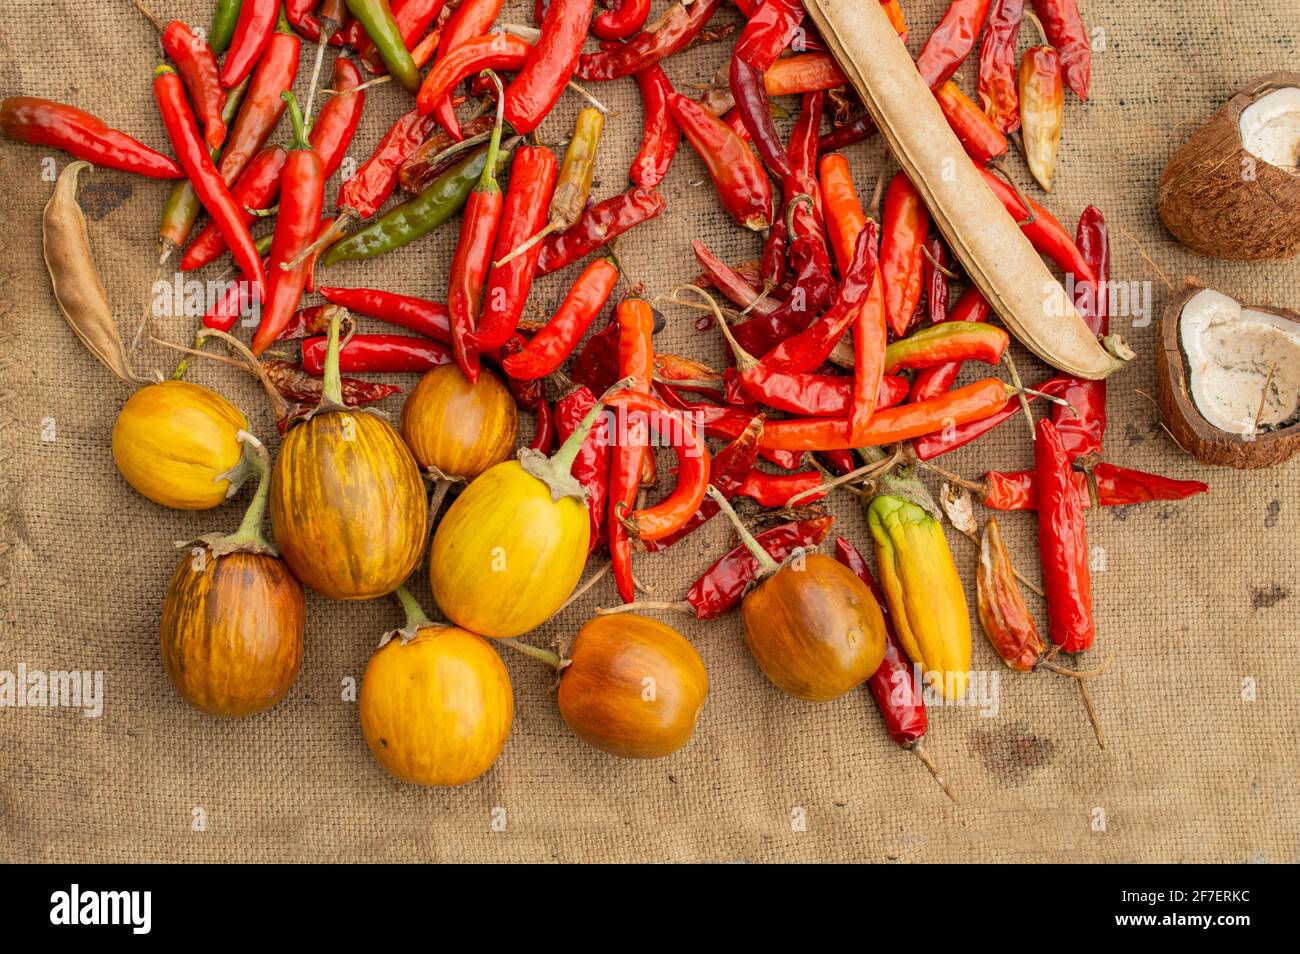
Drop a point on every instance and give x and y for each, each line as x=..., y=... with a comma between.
x=773, y=490
x=597, y=226
x=554, y=343
x=766, y=34
x=196, y=160
x=1065, y=31
x=413, y=18
x=544, y=432
x=471, y=19
x=970, y=403
x=469, y=265
x=736, y=172
x=329, y=24
x=679, y=25
x=802, y=156
x=301, y=199
x=979, y=135
x=816, y=395
x=803, y=73
x=415, y=314
x=933, y=381
x=262, y=106
x=622, y=20
x=845, y=218
x=776, y=248
x=43, y=122
x=731, y=283
x=1044, y=232
x=1083, y=424
x=951, y=41
x=256, y=188
x=377, y=353
x=591, y=466
x=810, y=348
x=727, y=474
x=674, y=511
x=197, y=66
x=725, y=422
x=635, y=322
x=252, y=34
x=492, y=51
x=550, y=65
x=720, y=588
x=902, y=256
x=1062, y=544
x=937, y=263
x=336, y=123
x=661, y=134
x=1116, y=487
x=997, y=72
x=235, y=303
x=532, y=180
x=361, y=196
x=312, y=320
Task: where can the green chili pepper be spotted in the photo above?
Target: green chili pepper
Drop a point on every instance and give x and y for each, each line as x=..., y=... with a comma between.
x=441, y=199
x=182, y=207
x=377, y=20
x=224, y=19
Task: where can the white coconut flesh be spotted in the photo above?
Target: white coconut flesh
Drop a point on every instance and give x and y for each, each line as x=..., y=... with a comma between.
x=1270, y=127
x=1233, y=355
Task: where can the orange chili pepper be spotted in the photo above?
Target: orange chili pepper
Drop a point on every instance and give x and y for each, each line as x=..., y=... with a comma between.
x=978, y=134
x=845, y=219
x=1002, y=611
x=869, y=337
x=1042, y=110
x=554, y=343
x=635, y=321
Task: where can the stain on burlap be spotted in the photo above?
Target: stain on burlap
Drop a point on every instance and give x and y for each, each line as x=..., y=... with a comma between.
x=1200, y=609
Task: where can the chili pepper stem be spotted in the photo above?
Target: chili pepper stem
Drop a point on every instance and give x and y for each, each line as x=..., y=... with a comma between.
x=138, y=339
x=744, y=360
x=536, y=652
x=149, y=15
x=344, y=221
x=1046, y=663
x=327, y=30
x=1014, y=372
x=587, y=95
x=578, y=593
x=867, y=470
x=681, y=606
x=252, y=366
x=920, y=751
x=440, y=487
x=767, y=566
x=1090, y=708
x=547, y=229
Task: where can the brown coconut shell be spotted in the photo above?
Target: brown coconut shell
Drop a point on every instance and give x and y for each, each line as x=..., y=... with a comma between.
x=1211, y=207
x=1189, y=428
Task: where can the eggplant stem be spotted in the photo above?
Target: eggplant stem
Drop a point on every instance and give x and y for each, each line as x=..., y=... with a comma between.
x=767, y=566
x=536, y=652
x=582, y=590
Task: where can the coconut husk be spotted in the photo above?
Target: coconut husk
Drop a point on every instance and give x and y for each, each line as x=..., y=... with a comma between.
x=1209, y=203
x=1185, y=423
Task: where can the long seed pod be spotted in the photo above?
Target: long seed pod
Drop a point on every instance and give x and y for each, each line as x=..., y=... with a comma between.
x=74, y=277
x=986, y=241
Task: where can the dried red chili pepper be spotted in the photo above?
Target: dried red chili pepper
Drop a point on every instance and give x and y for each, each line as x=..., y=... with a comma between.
x=674, y=511
x=802, y=156
x=951, y=41
x=262, y=106
x=469, y=264
x=803, y=73
x=302, y=196
x=870, y=354
x=766, y=34
x=197, y=66
x=973, y=402
x=552, y=345
x=773, y=490
x=415, y=314
x=933, y=381
x=720, y=588
x=845, y=218
x=1116, y=487
x=997, y=72
x=550, y=64
x=937, y=262
x=393, y=354
x=894, y=685
x=439, y=153
x=661, y=135
x=252, y=35
x=1043, y=230
x=196, y=160
x=532, y=180
x=1062, y=544
x=902, y=257
x=492, y=51
x=1042, y=110
x=42, y=122
x=727, y=474
x=256, y=188
x=635, y=322
x=776, y=249
x=957, y=434
x=736, y=172
x=621, y=20
x=978, y=135
x=1083, y=424
x=591, y=466
x=1002, y=611
x=674, y=30
x=544, y=431
x=1065, y=31
x=294, y=384
x=599, y=225
x=731, y=283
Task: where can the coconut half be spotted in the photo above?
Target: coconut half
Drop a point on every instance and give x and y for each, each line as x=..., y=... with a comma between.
x=1232, y=190
x=1230, y=379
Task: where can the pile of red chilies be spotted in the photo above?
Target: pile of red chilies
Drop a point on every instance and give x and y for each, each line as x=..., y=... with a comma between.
x=831, y=287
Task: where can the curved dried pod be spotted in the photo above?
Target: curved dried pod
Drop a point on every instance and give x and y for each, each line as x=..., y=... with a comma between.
x=1232, y=190
x=1230, y=379
x=985, y=239
x=75, y=279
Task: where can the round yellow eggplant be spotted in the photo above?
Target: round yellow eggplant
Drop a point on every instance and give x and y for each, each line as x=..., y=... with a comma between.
x=174, y=442
x=459, y=429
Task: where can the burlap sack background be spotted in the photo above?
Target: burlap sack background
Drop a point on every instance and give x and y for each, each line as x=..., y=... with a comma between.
x=1195, y=598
